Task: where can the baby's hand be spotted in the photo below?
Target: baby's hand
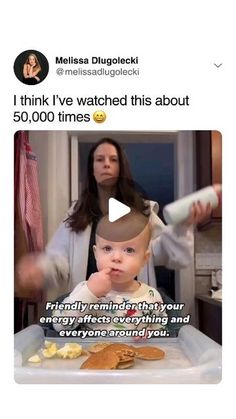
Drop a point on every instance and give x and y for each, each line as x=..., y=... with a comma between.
x=137, y=338
x=100, y=282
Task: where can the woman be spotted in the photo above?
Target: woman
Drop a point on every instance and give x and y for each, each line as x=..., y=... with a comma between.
x=31, y=69
x=69, y=256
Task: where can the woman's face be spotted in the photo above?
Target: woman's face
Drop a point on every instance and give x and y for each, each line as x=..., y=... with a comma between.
x=32, y=60
x=106, y=166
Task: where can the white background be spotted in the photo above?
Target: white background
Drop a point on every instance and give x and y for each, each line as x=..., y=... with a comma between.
x=177, y=43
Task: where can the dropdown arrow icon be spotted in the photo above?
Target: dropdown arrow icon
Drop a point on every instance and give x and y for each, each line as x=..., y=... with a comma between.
x=217, y=65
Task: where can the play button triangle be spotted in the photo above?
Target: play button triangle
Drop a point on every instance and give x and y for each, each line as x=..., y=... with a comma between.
x=116, y=210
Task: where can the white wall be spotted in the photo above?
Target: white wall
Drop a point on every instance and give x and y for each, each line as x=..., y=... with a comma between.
x=52, y=150
x=185, y=278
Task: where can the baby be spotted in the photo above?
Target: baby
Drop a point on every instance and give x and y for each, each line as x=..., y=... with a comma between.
x=115, y=299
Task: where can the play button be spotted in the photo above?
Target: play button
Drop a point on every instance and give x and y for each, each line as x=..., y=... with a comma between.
x=116, y=210
x=122, y=221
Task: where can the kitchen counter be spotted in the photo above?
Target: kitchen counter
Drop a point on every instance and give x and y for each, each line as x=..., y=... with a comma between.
x=208, y=299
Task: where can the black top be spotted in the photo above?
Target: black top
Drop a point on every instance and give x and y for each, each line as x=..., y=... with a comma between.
x=30, y=81
x=92, y=267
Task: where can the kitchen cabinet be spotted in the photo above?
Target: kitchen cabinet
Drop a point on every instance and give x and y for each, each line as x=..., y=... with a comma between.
x=209, y=167
x=210, y=317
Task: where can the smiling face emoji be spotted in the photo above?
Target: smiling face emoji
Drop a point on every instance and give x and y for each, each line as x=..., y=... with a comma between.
x=99, y=117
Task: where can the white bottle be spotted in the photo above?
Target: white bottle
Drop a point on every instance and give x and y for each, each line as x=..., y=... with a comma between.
x=178, y=211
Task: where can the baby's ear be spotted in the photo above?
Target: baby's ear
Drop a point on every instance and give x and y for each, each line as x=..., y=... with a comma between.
x=147, y=255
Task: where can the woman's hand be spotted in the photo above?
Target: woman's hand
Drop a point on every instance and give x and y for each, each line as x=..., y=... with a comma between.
x=199, y=212
x=99, y=283
x=29, y=275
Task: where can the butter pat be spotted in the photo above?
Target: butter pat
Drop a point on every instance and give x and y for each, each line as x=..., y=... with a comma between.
x=50, y=351
x=47, y=344
x=70, y=351
x=35, y=359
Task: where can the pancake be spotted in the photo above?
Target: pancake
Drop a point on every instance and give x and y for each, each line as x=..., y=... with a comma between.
x=101, y=361
x=149, y=353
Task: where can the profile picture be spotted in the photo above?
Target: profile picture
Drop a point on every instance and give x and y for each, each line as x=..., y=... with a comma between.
x=31, y=67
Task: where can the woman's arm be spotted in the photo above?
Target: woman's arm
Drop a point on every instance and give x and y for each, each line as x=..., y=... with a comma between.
x=25, y=71
x=51, y=267
x=35, y=72
x=172, y=246
x=29, y=72
x=54, y=262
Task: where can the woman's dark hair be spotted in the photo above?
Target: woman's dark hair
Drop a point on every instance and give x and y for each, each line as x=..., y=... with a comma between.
x=87, y=209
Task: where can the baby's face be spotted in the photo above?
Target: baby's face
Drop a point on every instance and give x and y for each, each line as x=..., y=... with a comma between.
x=125, y=259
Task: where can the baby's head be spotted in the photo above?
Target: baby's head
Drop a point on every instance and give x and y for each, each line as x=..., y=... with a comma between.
x=122, y=245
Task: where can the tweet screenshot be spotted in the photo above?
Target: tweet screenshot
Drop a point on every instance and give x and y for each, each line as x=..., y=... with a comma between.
x=118, y=204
